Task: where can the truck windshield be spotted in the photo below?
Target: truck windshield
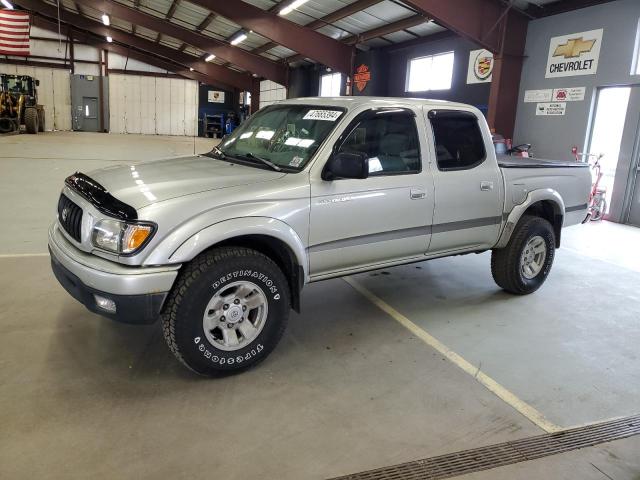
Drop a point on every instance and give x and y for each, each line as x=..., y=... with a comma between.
x=285, y=135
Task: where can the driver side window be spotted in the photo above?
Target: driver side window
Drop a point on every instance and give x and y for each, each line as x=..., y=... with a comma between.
x=388, y=139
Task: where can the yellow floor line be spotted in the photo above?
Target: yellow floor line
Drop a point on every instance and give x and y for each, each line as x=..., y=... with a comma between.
x=23, y=255
x=494, y=387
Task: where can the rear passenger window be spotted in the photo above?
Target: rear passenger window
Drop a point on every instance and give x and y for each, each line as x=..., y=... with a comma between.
x=458, y=139
x=389, y=139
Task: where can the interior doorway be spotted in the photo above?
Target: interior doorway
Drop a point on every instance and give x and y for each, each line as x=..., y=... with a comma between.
x=607, y=132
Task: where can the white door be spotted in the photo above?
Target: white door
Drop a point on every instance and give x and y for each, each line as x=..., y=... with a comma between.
x=383, y=218
x=468, y=183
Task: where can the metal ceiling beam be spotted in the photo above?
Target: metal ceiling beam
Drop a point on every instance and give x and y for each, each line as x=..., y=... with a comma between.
x=374, y=33
x=172, y=9
x=311, y=44
x=243, y=59
x=339, y=14
x=52, y=26
x=475, y=20
x=555, y=8
x=215, y=72
x=386, y=29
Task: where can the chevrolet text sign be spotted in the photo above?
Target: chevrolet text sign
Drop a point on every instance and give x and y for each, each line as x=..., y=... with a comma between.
x=575, y=54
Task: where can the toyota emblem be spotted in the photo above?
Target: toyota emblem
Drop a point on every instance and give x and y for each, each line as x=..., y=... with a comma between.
x=65, y=213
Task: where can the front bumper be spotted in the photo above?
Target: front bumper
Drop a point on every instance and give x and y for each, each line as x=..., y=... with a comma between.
x=137, y=292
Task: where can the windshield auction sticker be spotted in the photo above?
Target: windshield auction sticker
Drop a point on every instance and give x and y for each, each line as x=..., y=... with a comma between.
x=575, y=54
x=326, y=115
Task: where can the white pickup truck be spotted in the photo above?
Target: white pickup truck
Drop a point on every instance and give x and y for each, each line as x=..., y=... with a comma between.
x=219, y=246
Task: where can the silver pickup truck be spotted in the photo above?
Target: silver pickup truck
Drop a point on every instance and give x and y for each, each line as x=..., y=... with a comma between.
x=219, y=246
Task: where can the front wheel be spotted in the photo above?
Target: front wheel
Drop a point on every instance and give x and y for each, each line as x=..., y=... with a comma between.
x=524, y=264
x=31, y=120
x=227, y=310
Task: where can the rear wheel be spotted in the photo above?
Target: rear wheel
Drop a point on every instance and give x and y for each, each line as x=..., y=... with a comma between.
x=524, y=264
x=6, y=125
x=31, y=120
x=599, y=208
x=227, y=311
x=40, y=120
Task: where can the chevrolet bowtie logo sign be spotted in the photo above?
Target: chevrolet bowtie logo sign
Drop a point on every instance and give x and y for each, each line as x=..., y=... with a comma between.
x=574, y=54
x=574, y=48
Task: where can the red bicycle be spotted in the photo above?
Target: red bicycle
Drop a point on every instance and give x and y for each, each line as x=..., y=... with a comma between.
x=598, y=194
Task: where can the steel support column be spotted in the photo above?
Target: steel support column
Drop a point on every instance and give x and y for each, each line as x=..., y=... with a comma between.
x=255, y=96
x=499, y=28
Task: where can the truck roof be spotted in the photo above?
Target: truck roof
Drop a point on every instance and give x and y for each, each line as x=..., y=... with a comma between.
x=356, y=101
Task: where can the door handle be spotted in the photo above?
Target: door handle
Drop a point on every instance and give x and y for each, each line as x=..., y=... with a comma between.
x=417, y=194
x=486, y=186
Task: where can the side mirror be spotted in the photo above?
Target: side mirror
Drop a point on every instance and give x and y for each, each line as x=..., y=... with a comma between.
x=346, y=165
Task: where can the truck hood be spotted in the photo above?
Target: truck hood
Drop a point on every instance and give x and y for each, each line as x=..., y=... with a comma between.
x=152, y=182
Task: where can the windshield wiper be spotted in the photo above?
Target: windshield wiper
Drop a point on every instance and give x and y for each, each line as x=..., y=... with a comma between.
x=266, y=162
x=219, y=152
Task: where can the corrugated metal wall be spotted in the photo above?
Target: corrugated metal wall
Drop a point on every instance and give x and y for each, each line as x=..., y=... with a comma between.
x=54, y=93
x=271, y=92
x=153, y=105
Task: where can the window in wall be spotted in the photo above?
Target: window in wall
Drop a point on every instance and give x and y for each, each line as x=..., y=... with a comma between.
x=459, y=142
x=330, y=85
x=635, y=63
x=390, y=141
x=434, y=72
x=271, y=92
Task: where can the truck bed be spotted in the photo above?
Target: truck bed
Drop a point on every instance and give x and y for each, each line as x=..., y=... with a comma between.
x=508, y=161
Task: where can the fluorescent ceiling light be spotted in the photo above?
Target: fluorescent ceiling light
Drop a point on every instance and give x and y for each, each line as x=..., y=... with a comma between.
x=210, y=57
x=241, y=37
x=7, y=4
x=191, y=69
x=105, y=19
x=291, y=7
x=109, y=39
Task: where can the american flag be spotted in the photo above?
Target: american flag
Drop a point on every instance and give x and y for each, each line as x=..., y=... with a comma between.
x=14, y=32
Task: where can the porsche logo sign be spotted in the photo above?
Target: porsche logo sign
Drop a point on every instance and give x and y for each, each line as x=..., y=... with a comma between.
x=575, y=54
x=362, y=77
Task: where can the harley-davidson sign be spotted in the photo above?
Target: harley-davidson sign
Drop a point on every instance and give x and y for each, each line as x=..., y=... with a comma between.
x=362, y=77
x=575, y=54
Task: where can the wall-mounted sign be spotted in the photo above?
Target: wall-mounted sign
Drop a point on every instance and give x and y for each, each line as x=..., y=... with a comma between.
x=535, y=96
x=575, y=54
x=362, y=77
x=551, y=108
x=575, y=94
x=214, y=96
x=480, y=67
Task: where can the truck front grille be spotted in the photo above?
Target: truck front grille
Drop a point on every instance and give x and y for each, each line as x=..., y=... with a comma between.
x=70, y=217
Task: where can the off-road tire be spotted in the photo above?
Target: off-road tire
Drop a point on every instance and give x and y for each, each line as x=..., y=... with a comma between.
x=182, y=314
x=6, y=125
x=505, y=262
x=31, y=120
x=40, y=120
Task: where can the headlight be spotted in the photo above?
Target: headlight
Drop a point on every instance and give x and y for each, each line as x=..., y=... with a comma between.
x=122, y=238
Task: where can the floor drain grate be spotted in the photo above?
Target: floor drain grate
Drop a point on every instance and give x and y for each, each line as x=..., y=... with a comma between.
x=492, y=456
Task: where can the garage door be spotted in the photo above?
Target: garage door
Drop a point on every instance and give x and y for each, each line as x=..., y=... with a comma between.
x=54, y=93
x=152, y=105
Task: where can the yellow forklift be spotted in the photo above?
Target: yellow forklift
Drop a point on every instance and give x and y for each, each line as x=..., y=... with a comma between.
x=19, y=104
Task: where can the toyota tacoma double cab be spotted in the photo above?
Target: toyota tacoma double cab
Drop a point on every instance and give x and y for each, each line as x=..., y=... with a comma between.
x=219, y=246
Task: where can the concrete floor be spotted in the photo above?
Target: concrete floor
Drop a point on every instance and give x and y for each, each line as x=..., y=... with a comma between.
x=348, y=388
